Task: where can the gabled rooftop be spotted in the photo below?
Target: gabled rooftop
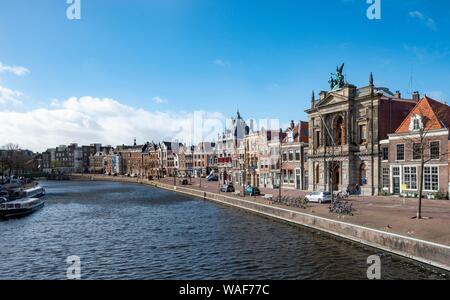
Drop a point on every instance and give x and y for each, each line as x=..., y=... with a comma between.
x=436, y=113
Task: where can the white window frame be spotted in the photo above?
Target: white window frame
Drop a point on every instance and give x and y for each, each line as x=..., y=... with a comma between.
x=439, y=158
x=431, y=179
x=412, y=152
x=410, y=175
x=396, y=152
x=382, y=154
x=388, y=177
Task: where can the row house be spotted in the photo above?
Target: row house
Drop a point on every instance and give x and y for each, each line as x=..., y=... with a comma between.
x=418, y=148
x=294, y=149
x=151, y=160
x=260, y=156
x=70, y=158
x=166, y=160
x=97, y=163
x=229, y=148
x=274, y=146
x=63, y=159
x=171, y=155
x=346, y=126
x=251, y=158
x=203, y=159
x=113, y=164
x=267, y=155
x=183, y=161
x=139, y=160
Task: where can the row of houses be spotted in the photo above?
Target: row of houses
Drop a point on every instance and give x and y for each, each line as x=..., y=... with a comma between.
x=146, y=160
x=367, y=139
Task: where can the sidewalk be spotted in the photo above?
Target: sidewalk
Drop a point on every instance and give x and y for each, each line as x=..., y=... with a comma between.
x=388, y=214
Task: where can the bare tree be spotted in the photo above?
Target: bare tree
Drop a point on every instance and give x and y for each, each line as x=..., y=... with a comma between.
x=13, y=159
x=418, y=139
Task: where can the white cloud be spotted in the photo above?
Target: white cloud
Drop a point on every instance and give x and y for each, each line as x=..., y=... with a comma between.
x=8, y=96
x=159, y=100
x=89, y=120
x=273, y=86
x=427, y=21
x=16, y=70
x=221, y=63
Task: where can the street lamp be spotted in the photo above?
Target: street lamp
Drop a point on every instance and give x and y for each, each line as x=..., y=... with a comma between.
x=281, y=166
x=332, y=153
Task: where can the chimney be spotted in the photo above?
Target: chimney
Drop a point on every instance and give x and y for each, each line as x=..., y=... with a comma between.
x=398, y=95
x=322, y=94
x=292, y=124
x=416, y=96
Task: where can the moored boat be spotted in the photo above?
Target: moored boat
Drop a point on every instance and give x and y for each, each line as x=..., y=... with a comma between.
x=19, y=208
x=34, y=192
x=26, y=192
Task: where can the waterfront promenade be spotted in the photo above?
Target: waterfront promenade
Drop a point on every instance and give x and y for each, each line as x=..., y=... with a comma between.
x=377, y=220
x=391, y=214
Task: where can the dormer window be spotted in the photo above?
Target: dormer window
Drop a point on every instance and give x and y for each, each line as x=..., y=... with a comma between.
x=416, y=123
x=290, y=137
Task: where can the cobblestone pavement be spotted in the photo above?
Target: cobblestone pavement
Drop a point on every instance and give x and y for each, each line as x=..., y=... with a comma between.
x=391, y=214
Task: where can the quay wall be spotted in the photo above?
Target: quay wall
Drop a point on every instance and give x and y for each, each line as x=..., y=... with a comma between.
x=434, y=254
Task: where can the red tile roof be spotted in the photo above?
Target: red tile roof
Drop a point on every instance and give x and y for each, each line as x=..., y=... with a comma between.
x=437, y=113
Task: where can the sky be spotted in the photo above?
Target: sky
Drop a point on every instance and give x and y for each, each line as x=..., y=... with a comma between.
x=151, y=69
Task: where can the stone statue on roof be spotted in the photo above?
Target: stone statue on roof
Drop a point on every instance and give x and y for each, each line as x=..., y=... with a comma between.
x=337, y=80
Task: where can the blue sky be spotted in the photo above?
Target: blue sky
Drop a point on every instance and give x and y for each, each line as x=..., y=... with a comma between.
x=176, y=57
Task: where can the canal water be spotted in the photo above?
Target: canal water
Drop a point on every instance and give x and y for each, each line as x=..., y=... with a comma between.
x=127, y=231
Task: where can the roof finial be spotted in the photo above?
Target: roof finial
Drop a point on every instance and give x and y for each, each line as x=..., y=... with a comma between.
x=371, y=79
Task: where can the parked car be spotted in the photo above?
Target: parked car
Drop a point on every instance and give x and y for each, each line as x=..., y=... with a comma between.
x=184, y=182
x=319, y=197
x=252, y=191
x=227, y=188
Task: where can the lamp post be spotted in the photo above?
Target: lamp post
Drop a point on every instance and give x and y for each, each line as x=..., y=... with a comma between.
x=244, y=173
x=332, y=153
x=281, y=165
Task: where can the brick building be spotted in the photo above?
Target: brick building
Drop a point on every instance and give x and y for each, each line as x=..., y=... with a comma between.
x=425, y=128
x=294, y=149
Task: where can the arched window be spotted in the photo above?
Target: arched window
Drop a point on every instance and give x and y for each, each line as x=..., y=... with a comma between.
x=339, y=131
x=336, y=176
x=317, y=177
x=362, y=174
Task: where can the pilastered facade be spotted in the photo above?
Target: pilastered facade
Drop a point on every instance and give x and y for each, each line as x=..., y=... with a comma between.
x=346, y=126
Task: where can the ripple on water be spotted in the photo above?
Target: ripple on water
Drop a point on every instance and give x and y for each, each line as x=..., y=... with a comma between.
x=127, y=231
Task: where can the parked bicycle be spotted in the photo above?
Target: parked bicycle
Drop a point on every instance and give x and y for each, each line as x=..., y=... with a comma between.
x=341, y=206
x=291, y=202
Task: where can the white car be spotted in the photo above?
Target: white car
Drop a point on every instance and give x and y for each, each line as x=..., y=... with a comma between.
x=319, y=197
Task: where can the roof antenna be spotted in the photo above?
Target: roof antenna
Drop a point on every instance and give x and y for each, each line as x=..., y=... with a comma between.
x=411, y=80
